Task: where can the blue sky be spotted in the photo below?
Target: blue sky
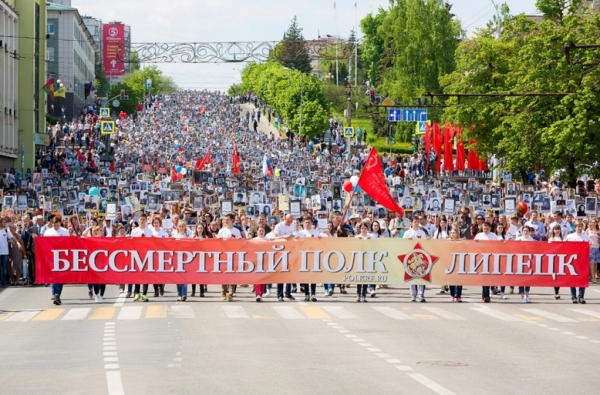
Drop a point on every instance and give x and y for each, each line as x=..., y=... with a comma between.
x=257, y=20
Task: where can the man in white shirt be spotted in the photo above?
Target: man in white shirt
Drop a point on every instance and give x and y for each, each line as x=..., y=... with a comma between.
x=581, y=237
x=5, y=235
x=141, y=231
x=225, y=233
x=558, y=220
x=308, y=231
x=427, y=227
x=285, y=229
x=56, y=230
x=415, y=232
x=486, y=235
x=539, y=230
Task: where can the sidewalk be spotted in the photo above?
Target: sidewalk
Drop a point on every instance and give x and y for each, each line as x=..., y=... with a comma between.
x=263, y=125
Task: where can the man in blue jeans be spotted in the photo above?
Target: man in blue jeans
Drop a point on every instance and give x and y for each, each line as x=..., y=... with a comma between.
x=56, y=230
x=5, y=235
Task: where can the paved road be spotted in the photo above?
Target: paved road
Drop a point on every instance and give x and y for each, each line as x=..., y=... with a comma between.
x=263, y=126
x=333, y=346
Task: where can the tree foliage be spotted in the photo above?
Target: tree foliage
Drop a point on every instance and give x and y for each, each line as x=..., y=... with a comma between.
x=283, y=90
x=548, y=132
x=407, y=48
x=292, y=52
x=101, y=83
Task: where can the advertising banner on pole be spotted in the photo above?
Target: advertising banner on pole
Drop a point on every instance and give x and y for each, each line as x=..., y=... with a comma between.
x=73, y=260
x=113, y=52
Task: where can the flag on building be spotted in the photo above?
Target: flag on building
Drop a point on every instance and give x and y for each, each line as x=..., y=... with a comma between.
x=49, y=88
x=372, y=181
x=61, y=92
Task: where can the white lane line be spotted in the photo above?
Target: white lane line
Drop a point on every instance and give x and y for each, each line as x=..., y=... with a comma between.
x=587, y=312
x=111, y=359
x=495, y=314
x=358, y=340
x=76, y=314
x=111, y=366
x=109, y=344
x=289, y=313
x=130, y=313
x=567, y=333
x=550, y=316
x=595, y=341
x=392, y=360
x=109, y=353
x=393, y=313
x=331, y=323
x=404, y=368
x=235, y=312
x=444, y=314
x=110, y=348
x=350, y=336
x=365, y=344
x=120, y=301
x=554, y=329
x=344, y=331
x=595, y=290
x=583, y=337
x=115, y=385
x=23, y=316
x=181, y=312
x=339, y=312
x=373, y=349
x=435, y=387
x=383, y=355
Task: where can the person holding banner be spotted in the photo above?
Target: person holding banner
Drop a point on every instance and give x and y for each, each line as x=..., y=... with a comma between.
x=201, y=232
x=486, y=235
x=415, y=232
x=527, y=231
x=228, y=232
x=592, y=232
x=363, y=234
x=555, y=235
x=141, y=231
x=182, y=233
x=285, y=229
x=455, y=290
x=259, y=289
x=308, y=231
x=55, y=230
x=581, y=237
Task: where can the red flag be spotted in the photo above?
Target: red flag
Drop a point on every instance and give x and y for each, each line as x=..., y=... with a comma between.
x=473, y=160
x=448, y=135
x=201, y=163
x=173, y=173
x=236, y=161
x=460, y=151
x=112, y=166
x=437, y=145
x=92, y=162
x=372, y=181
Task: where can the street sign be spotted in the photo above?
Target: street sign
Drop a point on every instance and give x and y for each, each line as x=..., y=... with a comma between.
x=387, y=102
x=349, y=132
x=422, y=127
x=107, y=127
x=116, y=103
x=105, y=112
x=414, y=114
x=394, y=115
x=149, y=84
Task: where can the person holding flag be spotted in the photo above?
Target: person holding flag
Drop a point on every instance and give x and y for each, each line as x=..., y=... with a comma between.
x=267, y=169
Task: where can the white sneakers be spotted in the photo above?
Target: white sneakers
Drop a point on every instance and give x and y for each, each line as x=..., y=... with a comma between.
x=99, y=299
x=525, y=300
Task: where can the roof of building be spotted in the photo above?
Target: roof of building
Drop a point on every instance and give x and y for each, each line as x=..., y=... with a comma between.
x=58, y=7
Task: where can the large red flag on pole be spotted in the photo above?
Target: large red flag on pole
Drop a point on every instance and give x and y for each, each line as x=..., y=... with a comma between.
x=372, y=181
x=201, y=163
x=437, y=145
x=236, y=161
x=448, y=160
x=427, y=140
x=460, y=151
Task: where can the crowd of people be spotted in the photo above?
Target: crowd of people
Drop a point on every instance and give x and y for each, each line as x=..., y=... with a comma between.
x=193, y=165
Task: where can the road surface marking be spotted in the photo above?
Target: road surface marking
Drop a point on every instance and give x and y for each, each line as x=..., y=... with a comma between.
x=120, y=301
x=181, y=312
x=339, y=312
x=443, y=313
x=235, y=312
x=435, y=387
x=111, y=366
x=77, y=314
x=130, y=313
x=314, y=312
x=115, y=385
x=23, y=316
x=4, y=316
x=393, y=313
x=550, y=316
x=529, y=318
x=424, y=316
x=404, y=368
x=48, y=315
x=288, y=312
x=156, y=312
x=495, y=314
x=103, y=313
x=587, y=312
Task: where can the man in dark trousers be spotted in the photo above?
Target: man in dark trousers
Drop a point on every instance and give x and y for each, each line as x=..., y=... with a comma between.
x=255, y=124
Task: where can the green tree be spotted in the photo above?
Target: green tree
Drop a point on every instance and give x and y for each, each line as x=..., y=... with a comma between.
x=292, y=51
x=373, y=46
x=548, y=132
x=128, y=106
x=101, y=83
x=134, y=61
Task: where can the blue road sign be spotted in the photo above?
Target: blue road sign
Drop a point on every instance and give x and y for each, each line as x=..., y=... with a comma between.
x=394, y=115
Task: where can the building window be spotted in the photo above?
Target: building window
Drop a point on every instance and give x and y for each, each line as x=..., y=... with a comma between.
x=51, y=28
x=50, y=54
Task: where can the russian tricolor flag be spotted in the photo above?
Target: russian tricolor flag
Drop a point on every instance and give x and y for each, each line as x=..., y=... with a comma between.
x=267, y=168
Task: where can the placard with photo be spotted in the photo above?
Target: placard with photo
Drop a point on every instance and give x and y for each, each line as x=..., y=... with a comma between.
x=295, y=208
x=449, y=205
x=590, y=205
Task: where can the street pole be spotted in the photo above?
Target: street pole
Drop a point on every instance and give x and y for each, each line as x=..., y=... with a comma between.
x=301, y=99
x=349, y=114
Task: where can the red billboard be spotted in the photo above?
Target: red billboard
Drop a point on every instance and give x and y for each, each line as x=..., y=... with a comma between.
x=113, y=50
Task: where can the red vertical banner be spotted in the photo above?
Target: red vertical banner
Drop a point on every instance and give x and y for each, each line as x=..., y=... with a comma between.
x=437, y=144
x=113, y=52
x=460, y=151
x=427, y=140
x=448, y=136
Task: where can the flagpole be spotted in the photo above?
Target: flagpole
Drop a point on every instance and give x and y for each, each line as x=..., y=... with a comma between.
x=337, y=81
x=356, y=45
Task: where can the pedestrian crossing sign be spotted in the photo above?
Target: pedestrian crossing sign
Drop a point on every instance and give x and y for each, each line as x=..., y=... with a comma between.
x=107, y=127
x=421, y=127
x=349, y=132
x=105, y=112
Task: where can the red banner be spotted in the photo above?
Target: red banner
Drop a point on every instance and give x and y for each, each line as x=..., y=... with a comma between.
x=74, y=260
x=113, y=51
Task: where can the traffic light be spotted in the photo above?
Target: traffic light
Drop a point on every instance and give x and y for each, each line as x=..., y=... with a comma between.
x=122, y=94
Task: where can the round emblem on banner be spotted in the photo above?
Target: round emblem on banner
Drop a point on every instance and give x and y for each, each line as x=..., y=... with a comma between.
x=417, y=264
x=113, y=31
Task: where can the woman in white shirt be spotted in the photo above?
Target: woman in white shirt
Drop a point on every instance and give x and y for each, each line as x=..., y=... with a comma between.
x=201, y=232
x=592, y=233
x=158, y=231
x=442, y=231
x=182, y=233
x=361, y=289
x=526, y=233
x=555, y=235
